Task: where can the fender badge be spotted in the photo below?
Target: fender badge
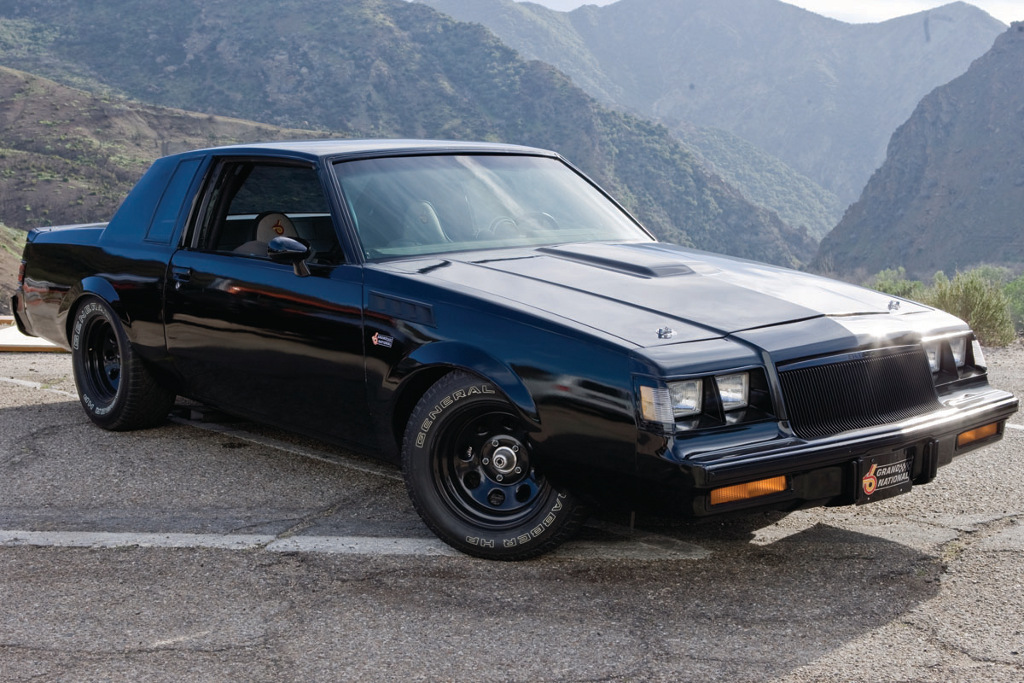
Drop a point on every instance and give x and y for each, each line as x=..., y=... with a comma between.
x=666, y=333
x=894, y=305
x=379, y=339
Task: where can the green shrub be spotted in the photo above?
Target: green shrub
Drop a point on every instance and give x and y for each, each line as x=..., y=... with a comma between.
x=984, y=297
x=995, y=275
x=975, y=298
x=894, y=281
x=1014, y=291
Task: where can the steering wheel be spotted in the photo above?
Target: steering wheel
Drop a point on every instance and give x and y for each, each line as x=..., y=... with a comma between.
x=502, y=224
x=528, y=223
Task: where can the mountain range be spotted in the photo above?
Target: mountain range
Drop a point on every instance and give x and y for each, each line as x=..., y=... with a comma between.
x=821, y=95
x=950, y=194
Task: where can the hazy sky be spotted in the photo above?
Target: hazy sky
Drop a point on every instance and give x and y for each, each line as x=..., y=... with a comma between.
x=857, y=11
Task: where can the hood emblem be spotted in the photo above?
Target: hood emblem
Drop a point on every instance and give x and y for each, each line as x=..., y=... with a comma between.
x=666, y=333
x=894, y=305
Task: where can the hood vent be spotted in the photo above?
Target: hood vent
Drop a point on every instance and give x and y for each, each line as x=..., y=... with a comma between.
x=643, y=263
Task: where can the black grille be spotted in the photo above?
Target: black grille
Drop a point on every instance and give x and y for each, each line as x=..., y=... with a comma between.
x=830, y=396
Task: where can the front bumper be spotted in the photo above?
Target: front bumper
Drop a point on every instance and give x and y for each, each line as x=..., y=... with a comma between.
x=832, y=471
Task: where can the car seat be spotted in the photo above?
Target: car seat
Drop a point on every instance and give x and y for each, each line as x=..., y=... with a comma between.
x=269, y=224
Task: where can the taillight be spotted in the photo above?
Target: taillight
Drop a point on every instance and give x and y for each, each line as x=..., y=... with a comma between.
x=21, y=274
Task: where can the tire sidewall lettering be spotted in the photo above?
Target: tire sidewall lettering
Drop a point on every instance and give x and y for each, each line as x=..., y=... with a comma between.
x=80, y=318
x=90, y=309
x=538, y=530
x=445, y=403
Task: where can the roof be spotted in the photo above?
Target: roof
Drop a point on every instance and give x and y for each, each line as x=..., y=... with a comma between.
x=316, y=149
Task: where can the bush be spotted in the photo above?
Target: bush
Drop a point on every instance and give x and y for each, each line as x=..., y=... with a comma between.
x=993, y=307
x=894, y=281
x=1014, y=291
x=975, y=298
x=994, y=275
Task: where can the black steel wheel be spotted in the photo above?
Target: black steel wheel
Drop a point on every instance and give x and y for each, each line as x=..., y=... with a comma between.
x=115, y=387
x=468, y=462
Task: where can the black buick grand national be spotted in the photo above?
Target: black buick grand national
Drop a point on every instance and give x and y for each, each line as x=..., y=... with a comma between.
x=487, y=317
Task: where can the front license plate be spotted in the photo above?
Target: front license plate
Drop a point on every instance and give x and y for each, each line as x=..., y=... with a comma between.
x=884, y=475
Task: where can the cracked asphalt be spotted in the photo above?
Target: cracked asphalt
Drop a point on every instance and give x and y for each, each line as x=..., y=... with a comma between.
x=339, y=580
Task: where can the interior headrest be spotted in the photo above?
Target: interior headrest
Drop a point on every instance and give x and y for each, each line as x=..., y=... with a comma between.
x=274, y=224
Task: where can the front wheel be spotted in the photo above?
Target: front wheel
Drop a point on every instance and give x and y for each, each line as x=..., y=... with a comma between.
x=469, y=466
x=115, y=387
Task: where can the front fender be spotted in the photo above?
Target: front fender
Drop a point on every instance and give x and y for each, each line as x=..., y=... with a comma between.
x=462, y=356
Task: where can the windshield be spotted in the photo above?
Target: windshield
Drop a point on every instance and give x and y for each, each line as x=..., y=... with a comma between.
x=404, y=206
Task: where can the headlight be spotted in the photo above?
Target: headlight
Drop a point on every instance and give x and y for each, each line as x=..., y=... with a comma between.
x=698, y=403
x=686, y=397
x=958, y=346
x=734, y=390
x=934, y=351
x=937, y=348
x=953, y=357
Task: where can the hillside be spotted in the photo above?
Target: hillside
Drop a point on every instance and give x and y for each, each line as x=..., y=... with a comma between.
x=71, y=157
x=12, y=242
x=821, y=95
x=763, y=179
x=384, y=68
x=951, y=192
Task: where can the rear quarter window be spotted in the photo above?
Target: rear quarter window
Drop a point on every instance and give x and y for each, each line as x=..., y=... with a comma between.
x=172, y=203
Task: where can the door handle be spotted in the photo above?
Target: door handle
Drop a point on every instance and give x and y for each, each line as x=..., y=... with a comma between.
x=180, y=275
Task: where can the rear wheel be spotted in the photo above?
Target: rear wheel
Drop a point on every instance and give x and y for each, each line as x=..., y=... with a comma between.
x=469, y=466
x=115, y=387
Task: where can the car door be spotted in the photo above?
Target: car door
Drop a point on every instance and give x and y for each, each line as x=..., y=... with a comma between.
x=256, y=337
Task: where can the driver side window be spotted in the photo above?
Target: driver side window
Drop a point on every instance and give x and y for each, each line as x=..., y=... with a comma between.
x=250, y=202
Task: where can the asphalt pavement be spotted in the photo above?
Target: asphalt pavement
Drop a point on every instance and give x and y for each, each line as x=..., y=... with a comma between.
x=210, y=549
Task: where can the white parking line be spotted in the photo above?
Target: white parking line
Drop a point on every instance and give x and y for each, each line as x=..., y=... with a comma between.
x=646, y=547
x=1013, y=426
x=361, y=545
x=103, y=539
x=36, y=385
x=333, y=545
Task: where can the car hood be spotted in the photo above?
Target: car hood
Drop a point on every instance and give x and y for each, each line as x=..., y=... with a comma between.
x=652, y=293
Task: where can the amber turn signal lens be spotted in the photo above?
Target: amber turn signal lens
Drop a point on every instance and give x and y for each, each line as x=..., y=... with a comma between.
x=753, y=489
x=977, y=434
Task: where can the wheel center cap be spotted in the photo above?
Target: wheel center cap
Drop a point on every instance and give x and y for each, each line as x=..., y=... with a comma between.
x=504, y=460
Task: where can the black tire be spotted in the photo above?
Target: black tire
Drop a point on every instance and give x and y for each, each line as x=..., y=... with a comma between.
x=115, y=387
x=466, y=458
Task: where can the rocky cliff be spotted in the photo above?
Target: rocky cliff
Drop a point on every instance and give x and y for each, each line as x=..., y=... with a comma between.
x=950, y=194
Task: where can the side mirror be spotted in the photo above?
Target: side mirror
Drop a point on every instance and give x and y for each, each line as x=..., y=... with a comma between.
x=290, y=250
